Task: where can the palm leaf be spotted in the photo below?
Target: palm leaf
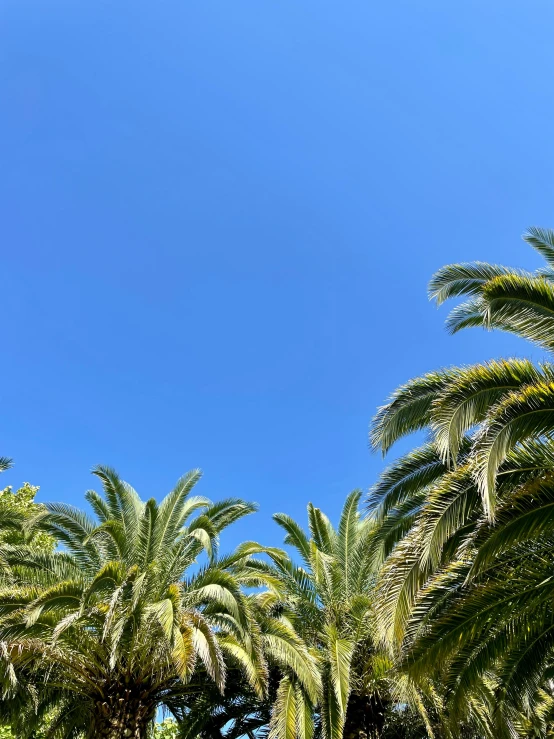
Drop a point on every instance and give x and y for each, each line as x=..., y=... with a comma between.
x=524, y=414
x=541, y=239
x=408, y=409
x=340, y=652
x=347, y=540
x=466, y=278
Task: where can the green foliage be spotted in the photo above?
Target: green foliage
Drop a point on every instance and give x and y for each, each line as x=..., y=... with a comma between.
x=329, y=601
x=39, y=733
x=466, y=524
x=21, y=503
x=167, y=729
x=431, y=615
x=117, y=620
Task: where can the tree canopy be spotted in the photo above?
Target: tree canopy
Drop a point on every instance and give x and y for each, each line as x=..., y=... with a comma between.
x=425, y=611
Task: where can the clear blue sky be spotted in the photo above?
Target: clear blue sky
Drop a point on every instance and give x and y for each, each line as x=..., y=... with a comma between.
x=218, y=219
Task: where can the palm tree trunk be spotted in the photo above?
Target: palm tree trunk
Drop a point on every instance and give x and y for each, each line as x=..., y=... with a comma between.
x=365, y=717
x=125, y=714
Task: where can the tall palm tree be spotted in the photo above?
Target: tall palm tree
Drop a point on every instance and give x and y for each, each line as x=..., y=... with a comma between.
x=102, y=632
x=328, y=598
x=467, y=520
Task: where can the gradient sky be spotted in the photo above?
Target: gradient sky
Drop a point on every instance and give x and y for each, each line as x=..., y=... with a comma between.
x=219, y=217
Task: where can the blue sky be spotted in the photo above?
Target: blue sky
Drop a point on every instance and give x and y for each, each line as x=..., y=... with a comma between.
x=218, y=220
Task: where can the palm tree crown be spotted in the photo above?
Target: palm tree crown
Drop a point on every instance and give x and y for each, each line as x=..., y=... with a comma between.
x=328, y=598
x=466, y=519
x=113, y=625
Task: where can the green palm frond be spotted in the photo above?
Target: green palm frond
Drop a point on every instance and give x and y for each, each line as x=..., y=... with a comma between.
x=408, y=409
x=295, y=537
x=466, y=401
x=288, y=650
x=405, y=478
x=125, y=504
x=208, y=649
x=521, y=415
x=332, y=717
x=226, y=512
x=466, y=278
x=99, y=505
x=541, y=239
x=284, y=721
x=5, y=463
x=522, y=305
x=394, y=527
x=254, y=672
x=526, y=517
x=451, y=504
x=469, y=314
x=322, y=532
x=465, y=525
x=171, y=510
x=304, y=714
x=340, y=657
x=347, y=542
x=403, y=574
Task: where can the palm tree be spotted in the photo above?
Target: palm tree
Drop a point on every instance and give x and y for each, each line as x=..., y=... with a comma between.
x=467, y=520
x=329, y=601
x=102, y=632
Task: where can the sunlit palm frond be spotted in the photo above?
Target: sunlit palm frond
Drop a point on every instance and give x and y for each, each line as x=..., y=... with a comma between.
x=467, y=278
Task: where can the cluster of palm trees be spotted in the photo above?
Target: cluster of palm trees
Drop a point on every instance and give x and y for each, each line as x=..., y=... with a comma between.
x=427, y=612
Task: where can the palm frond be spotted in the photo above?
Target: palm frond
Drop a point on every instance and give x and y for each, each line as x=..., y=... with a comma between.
x=340, y=651
x=467, y=278
x=408, y=409
x=541, y=239
x=521, y=415
x=466, y=401
x=406, y=477
x=5, y=463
